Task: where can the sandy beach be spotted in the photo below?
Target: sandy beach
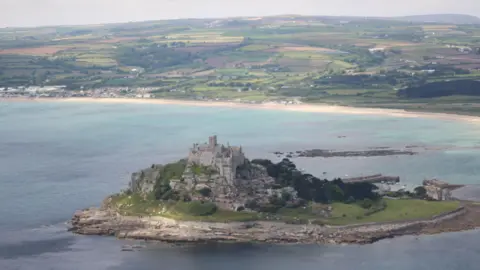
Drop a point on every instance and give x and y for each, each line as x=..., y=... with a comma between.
x=311, y=108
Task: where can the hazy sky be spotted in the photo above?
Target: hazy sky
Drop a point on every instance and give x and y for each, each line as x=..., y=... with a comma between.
x=54, y=12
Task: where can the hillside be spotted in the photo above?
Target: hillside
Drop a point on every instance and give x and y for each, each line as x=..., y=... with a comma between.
x=336, y=60
x=442, y=89
x=443, y=18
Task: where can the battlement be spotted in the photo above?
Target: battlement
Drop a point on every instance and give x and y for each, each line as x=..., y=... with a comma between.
x=225, y=159
x=212, y=142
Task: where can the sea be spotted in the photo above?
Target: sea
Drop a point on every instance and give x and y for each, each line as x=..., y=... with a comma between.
x=58, y=157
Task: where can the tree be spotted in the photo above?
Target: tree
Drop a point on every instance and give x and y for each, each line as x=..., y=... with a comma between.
x=162, y=189
x=196, y=208
x=205, y=192
x=310, y=188
x=420, y=192
x=252, y=204
x=277, y=201
x=366, y=203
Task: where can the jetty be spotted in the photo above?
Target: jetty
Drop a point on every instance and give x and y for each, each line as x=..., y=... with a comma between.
x=373, y=179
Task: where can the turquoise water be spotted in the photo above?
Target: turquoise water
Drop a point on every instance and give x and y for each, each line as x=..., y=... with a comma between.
x=57, y=157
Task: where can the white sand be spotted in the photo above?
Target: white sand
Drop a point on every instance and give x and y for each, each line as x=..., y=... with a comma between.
x=314, y=108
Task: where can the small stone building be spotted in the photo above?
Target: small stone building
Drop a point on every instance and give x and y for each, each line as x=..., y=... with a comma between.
x=438, y=190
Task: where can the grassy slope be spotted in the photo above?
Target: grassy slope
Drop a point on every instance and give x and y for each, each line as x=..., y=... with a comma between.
x=396, y=210
x=134, y=205
x=342, y=214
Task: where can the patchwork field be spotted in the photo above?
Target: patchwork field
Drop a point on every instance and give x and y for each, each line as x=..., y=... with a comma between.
x=46, y=50
x=315, y=59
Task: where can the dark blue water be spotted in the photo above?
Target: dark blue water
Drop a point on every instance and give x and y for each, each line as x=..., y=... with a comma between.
x=56, y=158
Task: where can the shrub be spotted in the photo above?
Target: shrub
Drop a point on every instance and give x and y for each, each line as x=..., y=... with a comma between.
x=184, y=196
x=296, y=221
x=196, y=208
x=296, y=203
x=286, y=196
x=162, y=189
x=205, y=192
x=263, y=162
x=277, y=201
x=240, y=208
x=169, y=195
x=420, y=192
x=376, y=208
x=252, y=204
x=366, y=203
x=350, y=200
x=269, y=208
x=173, y=170
x=318, y=222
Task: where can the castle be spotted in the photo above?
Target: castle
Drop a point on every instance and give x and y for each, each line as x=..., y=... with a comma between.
x=214, y=172
x=224, y=159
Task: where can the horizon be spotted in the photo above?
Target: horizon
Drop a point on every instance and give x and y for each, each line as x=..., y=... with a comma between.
x=234, y=17
x=30, y=13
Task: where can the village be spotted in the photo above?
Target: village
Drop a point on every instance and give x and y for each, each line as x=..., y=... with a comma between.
x=60, y=91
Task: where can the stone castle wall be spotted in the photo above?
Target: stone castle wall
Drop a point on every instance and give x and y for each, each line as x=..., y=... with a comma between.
x=438, y=190
x=202, y=158
x=224, y=159
x=438, y=193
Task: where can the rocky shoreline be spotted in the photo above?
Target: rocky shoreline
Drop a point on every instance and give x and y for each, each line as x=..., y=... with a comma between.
x=380, y=151
x=107, y=222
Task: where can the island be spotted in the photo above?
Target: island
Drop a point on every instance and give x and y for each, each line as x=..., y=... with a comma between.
x=217, y=194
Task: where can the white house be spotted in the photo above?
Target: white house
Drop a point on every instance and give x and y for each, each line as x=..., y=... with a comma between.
x=376, y=50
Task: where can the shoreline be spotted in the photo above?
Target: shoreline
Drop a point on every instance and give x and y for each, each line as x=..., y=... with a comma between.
x=304, y=107
x=107, y=222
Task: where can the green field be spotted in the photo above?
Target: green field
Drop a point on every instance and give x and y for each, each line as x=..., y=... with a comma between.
x=134, y=205
x=314, y=59
x=396, y=210
x=342, y=214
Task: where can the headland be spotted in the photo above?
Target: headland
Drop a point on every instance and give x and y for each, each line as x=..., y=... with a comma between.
x=217, y=194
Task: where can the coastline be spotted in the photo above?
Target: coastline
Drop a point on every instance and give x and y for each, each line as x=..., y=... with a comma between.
x=107, y=222
x=304, y=107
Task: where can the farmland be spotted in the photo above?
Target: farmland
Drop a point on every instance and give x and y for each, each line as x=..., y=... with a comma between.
x=347, y=61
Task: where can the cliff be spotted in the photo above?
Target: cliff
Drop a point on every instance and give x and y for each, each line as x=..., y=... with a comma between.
x=144, y=180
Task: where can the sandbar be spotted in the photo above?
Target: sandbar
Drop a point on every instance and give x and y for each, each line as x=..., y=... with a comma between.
x=304, y=107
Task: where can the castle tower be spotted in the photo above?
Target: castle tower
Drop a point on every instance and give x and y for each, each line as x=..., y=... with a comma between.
x=212, y=142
